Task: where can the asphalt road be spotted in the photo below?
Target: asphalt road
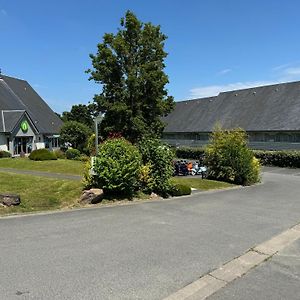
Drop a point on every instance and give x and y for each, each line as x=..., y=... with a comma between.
x=142, y=251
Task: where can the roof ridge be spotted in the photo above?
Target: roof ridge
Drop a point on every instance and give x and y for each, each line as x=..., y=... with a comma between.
x=197, y=99
x=11, y=90
x=261, y=86
x=16, y=78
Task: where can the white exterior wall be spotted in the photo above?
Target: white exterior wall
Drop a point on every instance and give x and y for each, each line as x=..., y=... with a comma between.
x=3, y=145
x=40, y=145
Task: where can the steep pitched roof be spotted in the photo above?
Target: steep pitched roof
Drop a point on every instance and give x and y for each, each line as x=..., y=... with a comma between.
x=10, y=118
x=17, y=94
x=267, y=108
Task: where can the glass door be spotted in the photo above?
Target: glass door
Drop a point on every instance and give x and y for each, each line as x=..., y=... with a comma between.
x=22, y=145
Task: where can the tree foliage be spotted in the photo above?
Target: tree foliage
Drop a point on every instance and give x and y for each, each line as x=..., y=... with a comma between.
x=79, y=113
x=117, y=168
x=229, y=159
x=75, y=133
x=158, y=157
x=130, y=67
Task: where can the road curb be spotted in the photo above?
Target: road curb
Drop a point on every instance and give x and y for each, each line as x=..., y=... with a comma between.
x=217, y=279
x=116, y=204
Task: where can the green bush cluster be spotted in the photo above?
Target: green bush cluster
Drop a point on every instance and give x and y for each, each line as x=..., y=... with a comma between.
x=4, y=154
x=122, y=168
x=229, y=159
x=59, y=154
x=189, y=153
x=117, y=168
x=42, y=154
x=278, y=158
x=181, y=190
x=72, y=154
x=158, y=158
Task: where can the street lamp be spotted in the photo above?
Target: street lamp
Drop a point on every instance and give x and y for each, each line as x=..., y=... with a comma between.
x=97, y=121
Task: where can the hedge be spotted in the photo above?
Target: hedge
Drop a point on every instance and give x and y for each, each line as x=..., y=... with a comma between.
x=4, y=154
x=286, y=158
x=279, y=158
x=181, y=190
x=42, y=154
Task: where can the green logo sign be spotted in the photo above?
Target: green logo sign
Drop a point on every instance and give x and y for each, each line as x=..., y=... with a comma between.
x=24, y=126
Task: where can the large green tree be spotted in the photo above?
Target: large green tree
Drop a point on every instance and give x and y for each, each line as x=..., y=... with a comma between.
x=80, y=113
x=129, y=65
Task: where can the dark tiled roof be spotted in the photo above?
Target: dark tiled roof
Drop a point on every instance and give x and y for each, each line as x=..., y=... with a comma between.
x=11, y=118
x=16, y=94
x=267, y=108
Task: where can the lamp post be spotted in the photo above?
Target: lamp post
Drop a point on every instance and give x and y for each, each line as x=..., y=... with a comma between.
x=97, y=121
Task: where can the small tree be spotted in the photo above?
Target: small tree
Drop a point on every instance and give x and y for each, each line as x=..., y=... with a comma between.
x=158, y=158
x=76, y=134
x=228, y=158
x=129, y=65
x=117, y=168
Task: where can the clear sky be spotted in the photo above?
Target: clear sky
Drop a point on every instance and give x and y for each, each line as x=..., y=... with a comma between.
x=213, y=45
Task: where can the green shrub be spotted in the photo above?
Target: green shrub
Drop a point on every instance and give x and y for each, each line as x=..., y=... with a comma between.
x=83, y=158
x=59, y=154
x=88, y=179
x=72, y=153
x=4, y=154
x=282, y=159
x=117, y=168
x=42, y=154
x=75, y=133
x=229, y=159
x=189, y=153
x=181, y=190
x=145, y=180
x=159, y=159
x=91, y=147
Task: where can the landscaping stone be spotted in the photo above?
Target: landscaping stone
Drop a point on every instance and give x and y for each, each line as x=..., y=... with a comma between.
x=91, y=196
x=9, y=199
x=153, y=195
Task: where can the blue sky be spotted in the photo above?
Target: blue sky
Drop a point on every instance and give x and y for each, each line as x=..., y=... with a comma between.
x=213, y=45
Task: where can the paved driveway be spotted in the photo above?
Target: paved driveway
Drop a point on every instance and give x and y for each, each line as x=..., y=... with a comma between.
x=143, y=251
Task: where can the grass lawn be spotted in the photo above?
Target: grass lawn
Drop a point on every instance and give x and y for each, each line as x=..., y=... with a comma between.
x=63, y=166
x=39, y=193
x=201, y=184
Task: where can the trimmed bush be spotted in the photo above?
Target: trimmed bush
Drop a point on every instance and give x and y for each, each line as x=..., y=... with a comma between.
x=283, y=159
x=229, y=159
x=72, y=154
x=4, y=154
x=42, y=154
x=181, y=190
x=117, y=168
x=159, y=159
x=189, y=153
